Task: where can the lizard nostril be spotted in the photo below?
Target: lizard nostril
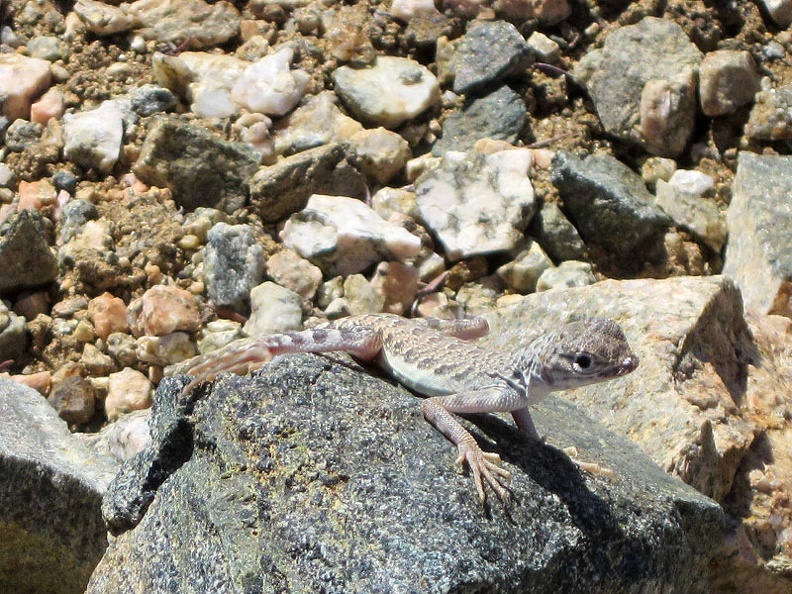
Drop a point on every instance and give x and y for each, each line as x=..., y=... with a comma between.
x=630, y=363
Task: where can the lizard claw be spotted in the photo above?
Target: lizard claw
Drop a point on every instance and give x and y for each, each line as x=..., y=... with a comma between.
x=592, y=467
x=485, y=466
x=240, y=359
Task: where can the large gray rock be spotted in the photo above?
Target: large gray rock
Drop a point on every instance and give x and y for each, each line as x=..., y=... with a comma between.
x=27, y=258
x=313, y=476
x=759, y=219
x=200, y=168
x=643, y=84
x=51, y=486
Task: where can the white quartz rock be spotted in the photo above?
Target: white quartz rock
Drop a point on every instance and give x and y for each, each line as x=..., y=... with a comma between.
x=342, y=235
x=269, y=86
x=94, y=138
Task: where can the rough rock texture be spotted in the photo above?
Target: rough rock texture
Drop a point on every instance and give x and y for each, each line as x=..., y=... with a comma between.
x=26, y=256
x=51, y=485
x=199, y=168
x=760, y=232
x=316, y=477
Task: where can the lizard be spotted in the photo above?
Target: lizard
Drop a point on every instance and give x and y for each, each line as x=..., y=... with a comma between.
x=436, y=359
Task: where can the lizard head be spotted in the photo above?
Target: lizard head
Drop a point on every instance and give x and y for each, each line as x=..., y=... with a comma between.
x=581, y=353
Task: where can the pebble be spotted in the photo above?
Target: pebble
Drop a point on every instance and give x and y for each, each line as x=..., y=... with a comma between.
x=498, y=115
x=128, y=390
x=545, y=49
x=342, y=235
x=771, y=115
x=269, y=86
x=406, y=10
x=122, y=348
x=46, y=47
x=164, y=309
x=36, y=194
x=566, y=275
x=728, y=80
x=233, y=265
x=295, y=273
x=397, y=284
x=217, y=334
x=523, y=272
x=51, y=105
x=94, y=138
x=30, y=305
x=779, y=10
x=488, y=52
x=23, y=80
x=387, y=202
x=199, y=167
x=656, y=168
x=643, y=84
x=22, y=135
x=13, y=338
x=123, y=439
x=95, y=362
x=390, y=92
x=203, y=24
x=27, y=259
x=74, y=215
x=690, y=211
x=360, y=297
x=147, y=100
x=166, y=349
x=102, y=19
x=760, y=232
x=274, y=309
x=379, y=153
x=477, y=204
x=610, y=206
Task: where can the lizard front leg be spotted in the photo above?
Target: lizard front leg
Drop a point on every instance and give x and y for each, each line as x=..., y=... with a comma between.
x=485, y=466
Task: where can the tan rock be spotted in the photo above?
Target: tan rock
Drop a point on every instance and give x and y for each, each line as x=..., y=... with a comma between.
x=109, y=314
x=163, y=310
x=128, y=390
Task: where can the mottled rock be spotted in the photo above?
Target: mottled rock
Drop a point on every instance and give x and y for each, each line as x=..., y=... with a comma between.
x=127, y=390
x=760, y=232
x=643, y=84
x=282, y=189
x=347, y=33
x=25, y=253
x=13, y=339
x=771, y=115
x=522, y=273
x=397, y=284
x=498, y=115
x=202, y=24
x=74, y=399
x=289, y=270
x=123, y=439
x=388, y=93
x=166, y=349
x=51, y=487
x=199, y=168
x=488, y=52
x=568, y=274
x=218, y=333
x=380, y=154
x=94, y=138
x=274, y=309
x=146, y=100
x=101, y=18
x=692, y=212
x=233, y=265
x=342, y=235
x=728, y=79
x=74, y=215
x=610, y=206
x=477, y=204
x=164, y=309
x=22, y=80
x=268, y=86
x=385, y=475
x=22, y=135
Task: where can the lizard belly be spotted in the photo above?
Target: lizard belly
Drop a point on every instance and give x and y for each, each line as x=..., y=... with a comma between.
x=420, y=378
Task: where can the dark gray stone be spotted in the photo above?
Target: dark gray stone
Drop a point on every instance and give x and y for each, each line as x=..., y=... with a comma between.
x=315, y=477
x=489, y=51
x=282, y=189
x=51, y=486
x=499, y=115
x=233, y=265
x=610, y=206
x=22, y=135
x=557, y=236
x=150, y=99
x=25, y=252
x=13, y=336
x=200, y=168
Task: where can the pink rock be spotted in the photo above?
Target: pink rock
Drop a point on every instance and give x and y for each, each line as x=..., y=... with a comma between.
x=40, y=381
x=22, y=80
x=398, y=285
x=163, y=310
x=128, y=390
x=109, y=314
x=36, y=194
x=51, y=105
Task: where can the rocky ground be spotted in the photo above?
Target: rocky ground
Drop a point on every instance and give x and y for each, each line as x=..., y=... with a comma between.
x=177, y=175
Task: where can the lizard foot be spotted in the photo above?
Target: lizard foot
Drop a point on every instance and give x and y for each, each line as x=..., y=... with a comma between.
x=239, y=359
x=485, y=466
x=591, y=467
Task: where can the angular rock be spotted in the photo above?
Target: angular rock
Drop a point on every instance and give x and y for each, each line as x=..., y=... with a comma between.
x=162, y=310
x=760, y=232
x=380, y=154
x=568, y=274
x=610, y=206
x=522, y=273
x=13, y=337
x=128, y=390
x=318, y=445
x=201, y=24
x=643, y=84
x=390, y=92
x=24, y=251
x=728, y=79
x=273, y=309
x=199, y=167
x=94, y=138
x=233, y=265
x=268, y=86
x=498, y=115
x=342, y=235
x=51, y=485
x=103, y=19
x=289, y=270
x=771, y=115
x=22, y=80
x=697, y=214
x=557, y=236
x=488, y=52
x=282, y=189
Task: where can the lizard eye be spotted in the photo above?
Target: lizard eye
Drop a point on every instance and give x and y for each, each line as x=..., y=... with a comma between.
x=583, y=361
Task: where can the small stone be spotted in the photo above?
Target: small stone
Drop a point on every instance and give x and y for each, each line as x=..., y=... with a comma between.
x=544, y=48
x=22, y=79
x=219, y=333
x=269, y=86
x=166, y=349
x=556, y=235
x=397, y=284
x=95, y=362
x=656, y=168
x=123, y=439
x=390, y=92
x=46, y=47
x=74, y=216
x=566, y=275
x=297, y=274
x=22, y=135
x=164, y=309
x=346, y=33
x=122, y=347
x=101, y=18
x=13, y=339
x=727, y=80
x=379, y=154
x=203, y=24
x=477, y=204
x=274, y=309
x=522, y=273
x=128, y=390
x=780, y=11
x=30, y=305
x=36, y=194
x=388, y=202
x=27, y=259
x=41, y=382
x=50, y=106
x=488, y=52
x=691, y=182
x=360, y=297
x=771, y=115
x=689, y=210
x=343, y=236
x=147, y=100
x=233, y=265
x=94, y=138
x=406, y=10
